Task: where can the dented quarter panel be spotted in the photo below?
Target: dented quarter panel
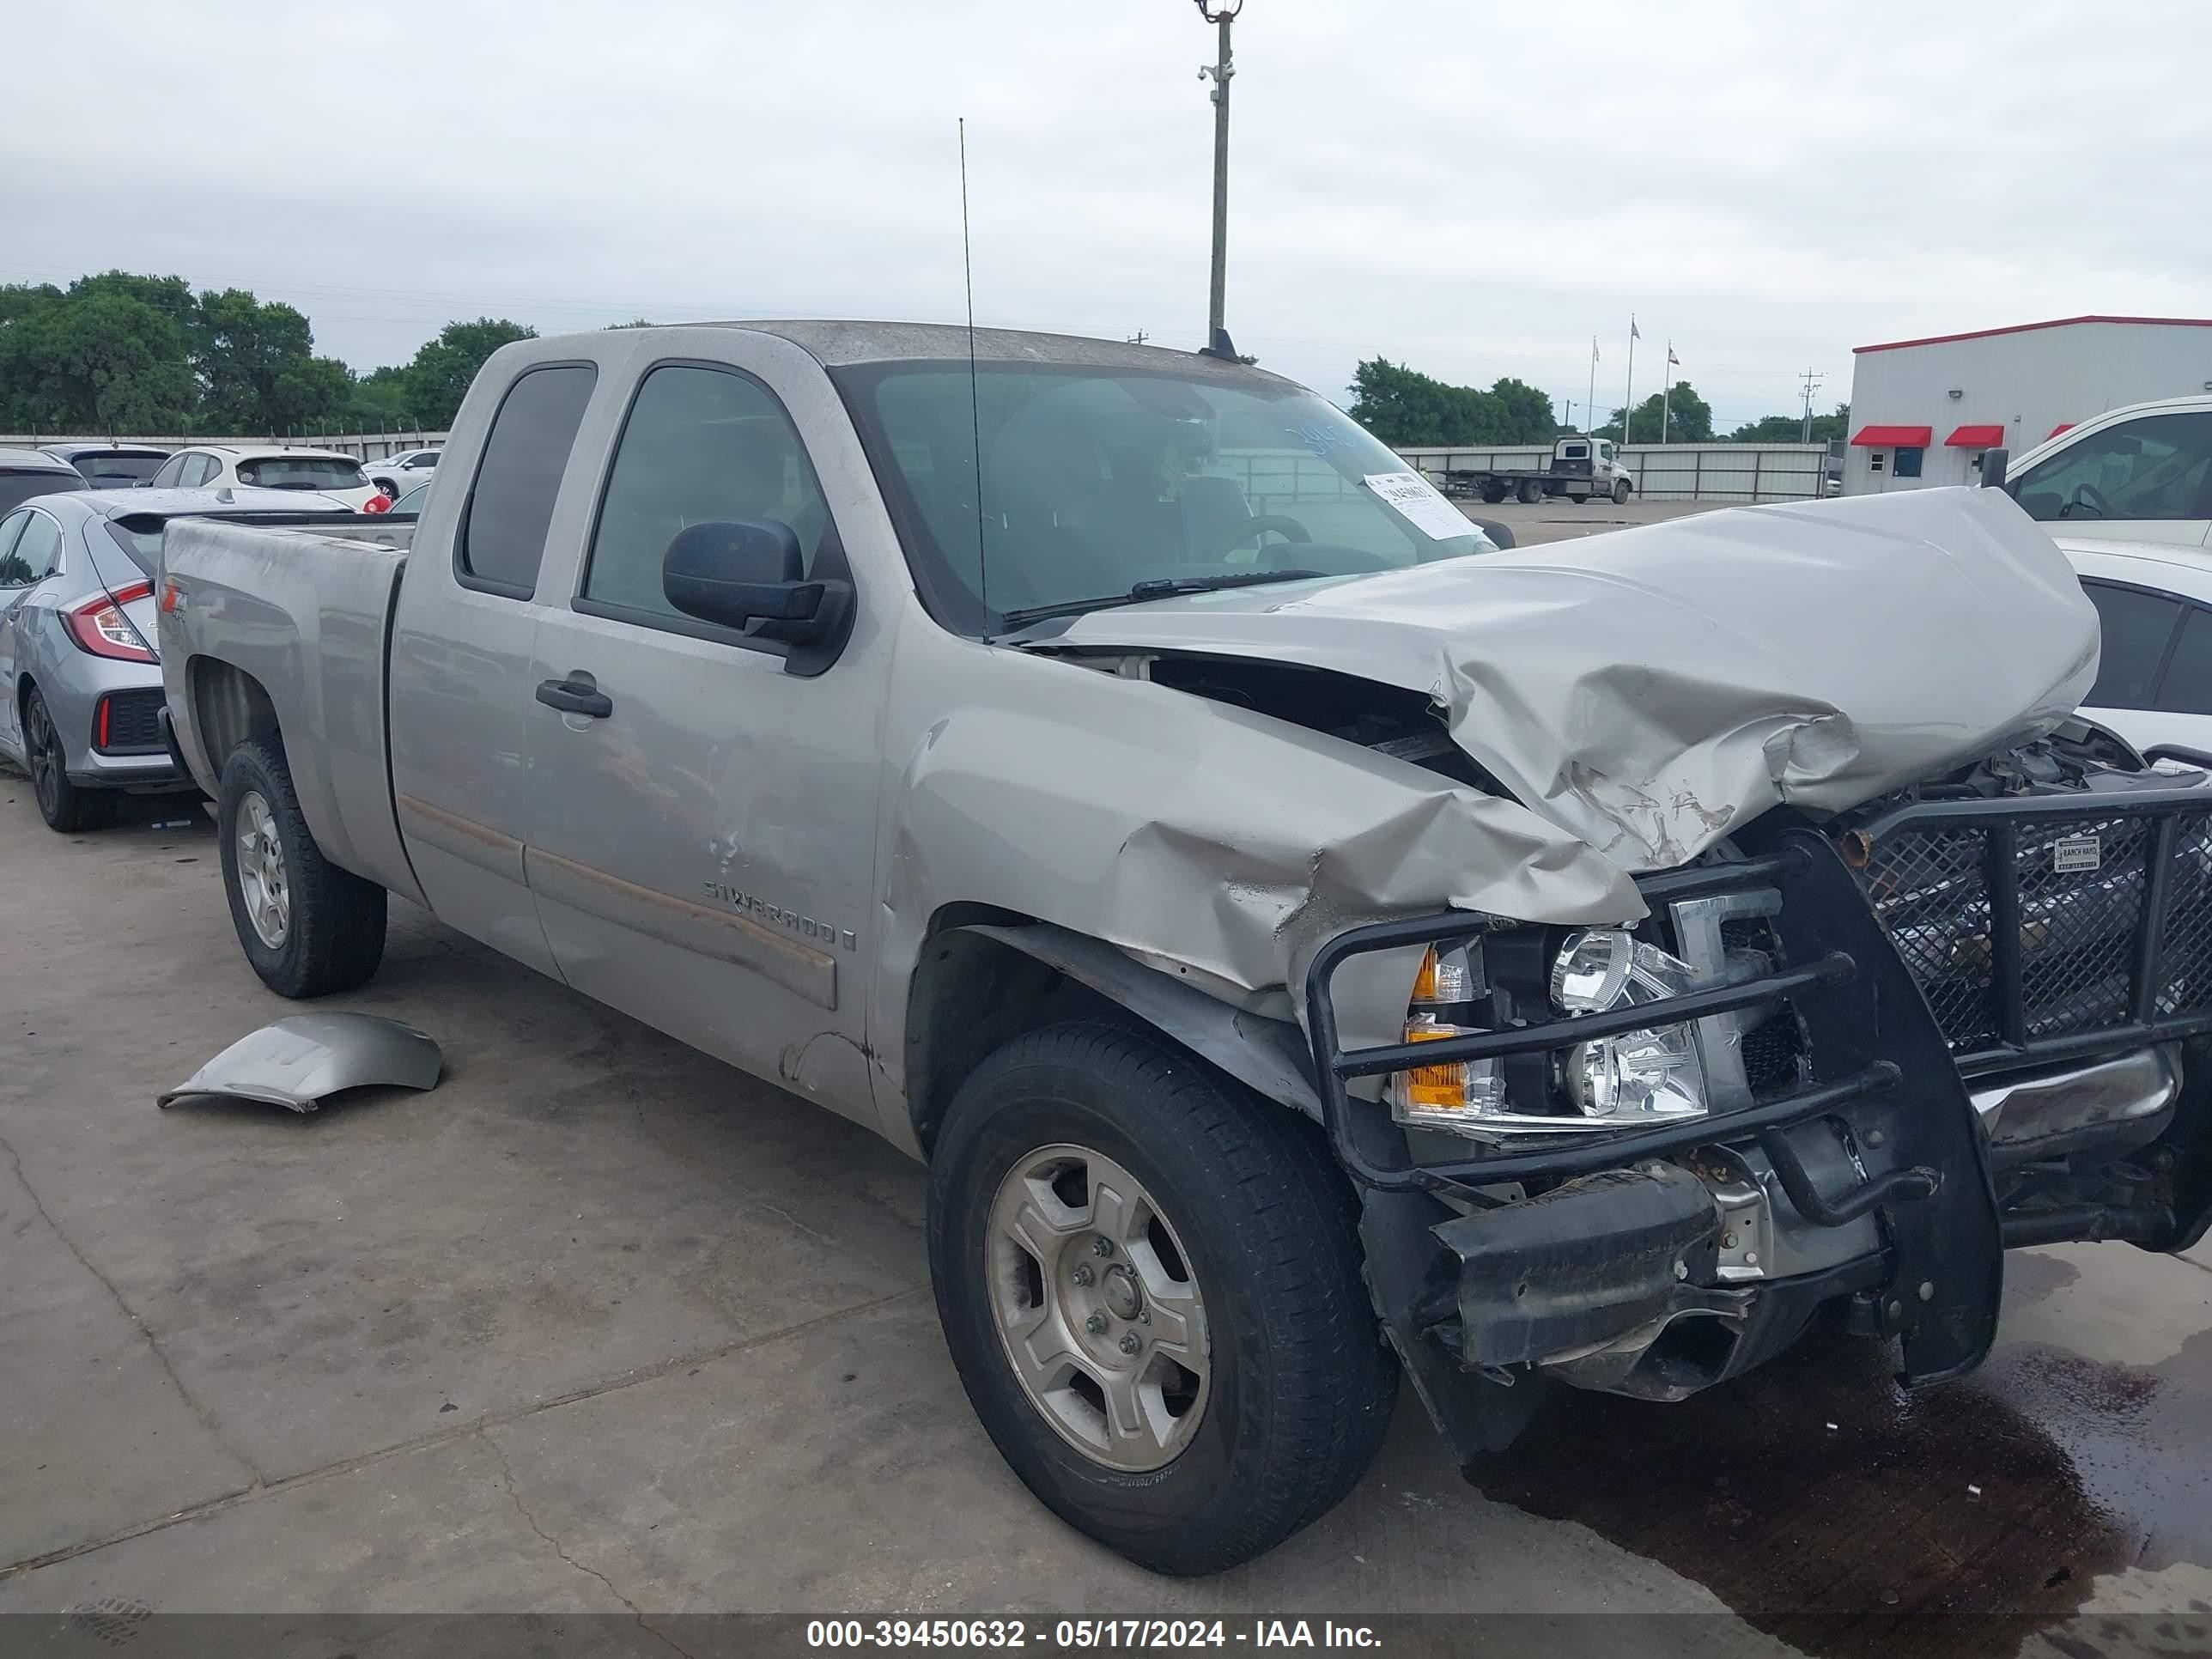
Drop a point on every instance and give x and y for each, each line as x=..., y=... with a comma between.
x=1650, y=689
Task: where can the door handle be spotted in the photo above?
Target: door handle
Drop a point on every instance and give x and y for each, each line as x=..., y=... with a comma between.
x=575, y=697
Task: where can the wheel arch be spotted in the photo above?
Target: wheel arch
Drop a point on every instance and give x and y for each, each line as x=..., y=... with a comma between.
x=229, y=707
x=987, y=975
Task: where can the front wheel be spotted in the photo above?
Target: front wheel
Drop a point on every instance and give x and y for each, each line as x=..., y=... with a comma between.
x=1620, y=492
x=308, y=928
x=1151, y=1286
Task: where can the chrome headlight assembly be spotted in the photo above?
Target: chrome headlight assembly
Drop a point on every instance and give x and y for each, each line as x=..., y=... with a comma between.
x=1640, y=1077
x=1632, y=1081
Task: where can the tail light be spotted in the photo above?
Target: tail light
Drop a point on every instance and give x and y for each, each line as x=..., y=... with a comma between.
x=100, y=627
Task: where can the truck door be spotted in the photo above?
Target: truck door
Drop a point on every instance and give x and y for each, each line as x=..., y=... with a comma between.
x=460, y=661
x=703, y=835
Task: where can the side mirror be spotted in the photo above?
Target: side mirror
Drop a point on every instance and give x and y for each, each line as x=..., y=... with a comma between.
x=1993, y=468
x=747, y=574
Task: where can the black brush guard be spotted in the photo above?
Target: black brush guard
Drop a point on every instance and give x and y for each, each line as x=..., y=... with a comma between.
x=1878, y=1067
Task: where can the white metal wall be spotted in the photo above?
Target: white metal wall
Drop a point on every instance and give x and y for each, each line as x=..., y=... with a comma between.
x=1672, y=472
x=373, y=447
x=2027, y=381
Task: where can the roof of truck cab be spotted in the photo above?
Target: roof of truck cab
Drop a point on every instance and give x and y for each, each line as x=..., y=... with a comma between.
x=837, y=345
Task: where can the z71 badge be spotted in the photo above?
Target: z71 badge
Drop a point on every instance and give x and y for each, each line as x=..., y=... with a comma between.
x=2073, y=854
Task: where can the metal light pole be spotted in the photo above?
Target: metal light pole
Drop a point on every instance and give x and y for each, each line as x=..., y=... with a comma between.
x=1224, y=66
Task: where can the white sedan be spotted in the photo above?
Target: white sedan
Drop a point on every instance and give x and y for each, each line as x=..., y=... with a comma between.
x=212, y=466
x=2154, y=677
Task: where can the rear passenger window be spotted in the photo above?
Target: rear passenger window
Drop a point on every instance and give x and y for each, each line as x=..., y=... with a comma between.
x=700, y=444
x=504, y=522
x=2136, y=627
x=36, y=552
x=2187, y=688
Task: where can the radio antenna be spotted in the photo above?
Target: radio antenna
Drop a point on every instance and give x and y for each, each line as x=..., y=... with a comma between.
x=975, y=417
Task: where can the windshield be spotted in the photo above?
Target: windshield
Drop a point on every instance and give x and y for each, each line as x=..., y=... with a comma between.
x=16, y=487
x=1095, y=479
x=119, y=469
x=302, y=472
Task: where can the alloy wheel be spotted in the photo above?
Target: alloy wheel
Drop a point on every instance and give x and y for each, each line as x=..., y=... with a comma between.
x=1098, y=1307
x=261, y=877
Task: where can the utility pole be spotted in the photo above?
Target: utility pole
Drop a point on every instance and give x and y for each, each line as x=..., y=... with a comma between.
x=1221, y=15
x=1811, y=378
x=1569, y=423
x=1138, y=338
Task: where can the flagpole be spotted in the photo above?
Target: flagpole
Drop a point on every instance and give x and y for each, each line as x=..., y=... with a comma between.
x=1628, y=398
x=1589, y=409
x=1666, y=391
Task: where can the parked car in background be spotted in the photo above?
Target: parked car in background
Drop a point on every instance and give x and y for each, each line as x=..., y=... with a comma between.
x=411, y=504
x=2155, y=675
x=403, y=471
x=110, y=466
x=82, y=702
x=2139, y=474
x=323, y=472
x=1298, y=947
x=27, y=472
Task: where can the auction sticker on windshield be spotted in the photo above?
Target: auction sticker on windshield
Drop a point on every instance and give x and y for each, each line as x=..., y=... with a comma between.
x=1420, y=503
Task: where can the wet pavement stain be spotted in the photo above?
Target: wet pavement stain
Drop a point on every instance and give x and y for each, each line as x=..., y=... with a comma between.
x=1833, y=1510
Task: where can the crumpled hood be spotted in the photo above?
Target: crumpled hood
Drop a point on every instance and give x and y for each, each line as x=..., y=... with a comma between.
x=1648, y=690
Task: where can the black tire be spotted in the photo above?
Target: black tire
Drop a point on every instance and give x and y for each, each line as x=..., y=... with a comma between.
x=1620, y=492
x=1493, y=494
x=66, y=807
x=1531, y=492
x=1299, y=1399
x=1578, y=500
x=335, y=936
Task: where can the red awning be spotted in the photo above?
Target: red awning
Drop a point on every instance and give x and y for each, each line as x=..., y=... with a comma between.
x=1893, y=437
x=2064, y=425
x=1975, y=437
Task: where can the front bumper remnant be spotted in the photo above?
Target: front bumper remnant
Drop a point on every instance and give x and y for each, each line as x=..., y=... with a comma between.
x=1878, y=1080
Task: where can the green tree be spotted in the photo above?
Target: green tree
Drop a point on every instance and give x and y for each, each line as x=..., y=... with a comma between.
x=1689, y=418
x=439, y=375
x=1790, y=429
x=96, y=359
x=257, y=366
x=1404, y=407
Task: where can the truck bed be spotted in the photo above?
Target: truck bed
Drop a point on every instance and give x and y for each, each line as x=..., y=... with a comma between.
x=291, y=626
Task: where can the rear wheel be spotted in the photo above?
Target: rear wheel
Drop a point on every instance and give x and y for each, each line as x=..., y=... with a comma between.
x=308, y=928
x=1493, y=494
x=1531, y=492
x=1578, y=500
x=66, y=807
x=1151, y=1286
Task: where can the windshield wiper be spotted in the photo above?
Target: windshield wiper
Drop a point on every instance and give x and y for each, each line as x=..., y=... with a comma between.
x=1162, y=587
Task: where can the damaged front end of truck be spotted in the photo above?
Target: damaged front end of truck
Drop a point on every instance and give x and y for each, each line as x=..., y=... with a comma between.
x=1908, y=965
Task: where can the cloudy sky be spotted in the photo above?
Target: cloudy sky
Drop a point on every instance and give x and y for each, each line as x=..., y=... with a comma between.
x=1767, y=185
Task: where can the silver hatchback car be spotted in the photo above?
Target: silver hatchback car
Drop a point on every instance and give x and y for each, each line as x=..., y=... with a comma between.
x=80, y=684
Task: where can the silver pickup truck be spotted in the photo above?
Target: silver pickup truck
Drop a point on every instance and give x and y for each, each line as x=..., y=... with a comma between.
x=1304, y=942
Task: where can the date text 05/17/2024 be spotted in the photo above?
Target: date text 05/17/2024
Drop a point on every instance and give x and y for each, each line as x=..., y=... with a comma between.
x=1084, y=1633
